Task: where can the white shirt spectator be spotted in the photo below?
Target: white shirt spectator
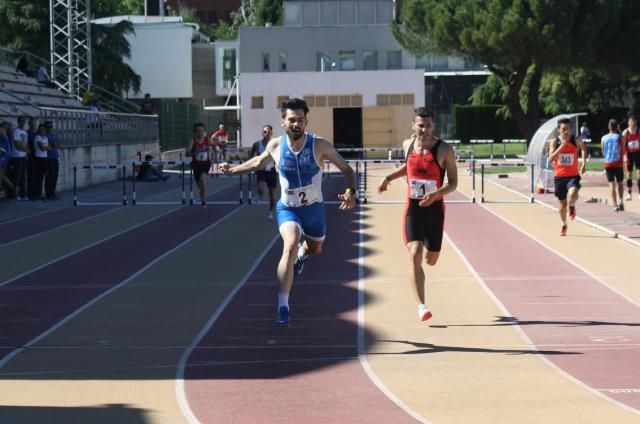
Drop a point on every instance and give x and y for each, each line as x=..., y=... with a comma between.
x=20, y=138
x=43, y=140
x=43, y=76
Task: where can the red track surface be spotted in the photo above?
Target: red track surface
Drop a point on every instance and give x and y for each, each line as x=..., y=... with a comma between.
x=248, y=370
x=557, y=305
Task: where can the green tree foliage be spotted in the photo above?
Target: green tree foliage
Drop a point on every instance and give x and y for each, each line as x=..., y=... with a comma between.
x=109, y=49
x=533, y=47
x=24, y=25
x=103, y=8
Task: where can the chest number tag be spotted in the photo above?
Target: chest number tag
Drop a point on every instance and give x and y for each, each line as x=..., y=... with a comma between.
x=421, y=187
x=566, y=159
x=302, y=196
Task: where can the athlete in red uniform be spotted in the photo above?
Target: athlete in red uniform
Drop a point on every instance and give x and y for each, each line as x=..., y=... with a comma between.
x=428, y=160
x=631, y=139
x=200, y=152
x=563, y=152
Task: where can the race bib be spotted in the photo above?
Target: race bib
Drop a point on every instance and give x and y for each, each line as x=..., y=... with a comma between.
x=202, y=156
x=421, y=187
x=302, y=196
x=634, y=144
x=565, y=159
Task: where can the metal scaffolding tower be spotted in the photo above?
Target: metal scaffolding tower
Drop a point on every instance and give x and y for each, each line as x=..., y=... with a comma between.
x=70, y=28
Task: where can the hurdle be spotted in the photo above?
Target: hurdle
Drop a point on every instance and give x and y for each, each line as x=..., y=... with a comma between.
x=482, y=141
x=529, y=199
x=506, y=141
x=76, y=201
x=134, y=196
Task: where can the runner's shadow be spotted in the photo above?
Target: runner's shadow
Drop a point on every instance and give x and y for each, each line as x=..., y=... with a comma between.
x=424, y=348
x=112, y=413
x=508, y=321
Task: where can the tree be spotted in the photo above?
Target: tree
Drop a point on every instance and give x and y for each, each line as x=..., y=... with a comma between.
x=523, y=41
x=109, y=47
x=25, y=25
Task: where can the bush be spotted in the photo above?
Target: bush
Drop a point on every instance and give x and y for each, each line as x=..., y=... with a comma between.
x=481, y=122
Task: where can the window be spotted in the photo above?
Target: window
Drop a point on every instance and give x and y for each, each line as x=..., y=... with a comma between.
x=323, y=62
x=291, y=13
x=356, y=100
x=423, y=62
x=329, y=13
x=281, y=99
x=347, y=60
x=408, y=99
x=321, y=101
x=370, y=60
x=310, y=13
x=394, y=59
x=311, y=100
x=228, y=67
x=266, y=67
x=283, y=62
x=366, y=12
x=257, y=102
x=347, y=12
x=384, y=12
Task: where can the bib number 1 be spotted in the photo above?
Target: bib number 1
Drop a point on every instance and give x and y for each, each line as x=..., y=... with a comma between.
x=419, y=188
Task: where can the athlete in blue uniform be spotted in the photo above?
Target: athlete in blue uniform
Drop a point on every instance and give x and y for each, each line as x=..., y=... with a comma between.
x=298, y=156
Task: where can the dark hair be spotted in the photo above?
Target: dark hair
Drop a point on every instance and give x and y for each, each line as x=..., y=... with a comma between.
x=197, y=124
x=267, y=126
x=564, y=121
x=613, y=124
x=633, y=116
x=423, y=112
x=294, y=104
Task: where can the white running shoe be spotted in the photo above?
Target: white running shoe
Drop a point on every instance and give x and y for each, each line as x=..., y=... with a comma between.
x=628, y=197
x=423, y=312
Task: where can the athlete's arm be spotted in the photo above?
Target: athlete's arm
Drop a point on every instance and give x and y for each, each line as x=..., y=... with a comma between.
x=447, y=160
x=583, y=150
x=253, y=164
x=326, y=151
x=399, y=172
x=553, y=150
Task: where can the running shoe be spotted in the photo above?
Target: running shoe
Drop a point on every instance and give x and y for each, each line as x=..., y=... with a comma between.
x=203, y=206
x=299, y=264
x=628, y=197
x=572, y=212
x=283, y=317
x=621, y=207
x=424, y=313
x=616, y=209
x=563, y=230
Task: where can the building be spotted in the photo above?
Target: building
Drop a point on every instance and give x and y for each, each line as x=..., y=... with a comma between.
x=342, y=58
x=208, y=11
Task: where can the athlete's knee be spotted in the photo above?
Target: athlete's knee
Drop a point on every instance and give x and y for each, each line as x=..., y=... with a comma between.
x=431, y=258
x=415, y=250
x=314, y=248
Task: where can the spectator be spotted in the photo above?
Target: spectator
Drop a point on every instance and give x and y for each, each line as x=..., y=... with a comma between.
x=219, y=140
x=18, y=161
x=151, y=173
x=146, y=106
x=53, y=164
x=90, y=98
x=32, y=131
x=5, y=154
x=23, y=66
x=43, y=77
x=41, y=143
x=584, y=131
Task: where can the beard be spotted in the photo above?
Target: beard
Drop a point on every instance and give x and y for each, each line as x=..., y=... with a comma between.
x=296, y=134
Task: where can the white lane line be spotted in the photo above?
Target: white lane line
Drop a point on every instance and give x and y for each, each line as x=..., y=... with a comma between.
x=362, y=349
x=526, y=338
x=63, y=321
x=179, y=385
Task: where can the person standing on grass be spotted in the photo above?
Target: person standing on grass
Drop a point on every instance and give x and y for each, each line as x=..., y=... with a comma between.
x=428, y=160
x=298, y=156
x=613, y=150
x=563, y=153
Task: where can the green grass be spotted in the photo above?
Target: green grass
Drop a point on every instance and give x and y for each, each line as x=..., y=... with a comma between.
x=484, y=150
x=507, y=169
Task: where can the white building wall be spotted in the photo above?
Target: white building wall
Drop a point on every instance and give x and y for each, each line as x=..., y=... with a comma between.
x=161, y=55
x=299, y=84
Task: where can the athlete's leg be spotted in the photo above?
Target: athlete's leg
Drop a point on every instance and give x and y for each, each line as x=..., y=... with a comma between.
x=563, y=210
x=272, y=198
x=573, y=195
x=290, y=233
x=431, y=257
x=202, y=186
x=612, y=193
x=416, y=273
x=262, y=189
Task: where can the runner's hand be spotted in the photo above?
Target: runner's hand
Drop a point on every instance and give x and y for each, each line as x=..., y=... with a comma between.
x=428, y=199
x=348, y=200
x=382, y=186
x=225, y=168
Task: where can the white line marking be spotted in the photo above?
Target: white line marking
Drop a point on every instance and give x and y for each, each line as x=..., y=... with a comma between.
x=362, y=352
x=526, y=338
x=180, y=386
x=63, y=321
